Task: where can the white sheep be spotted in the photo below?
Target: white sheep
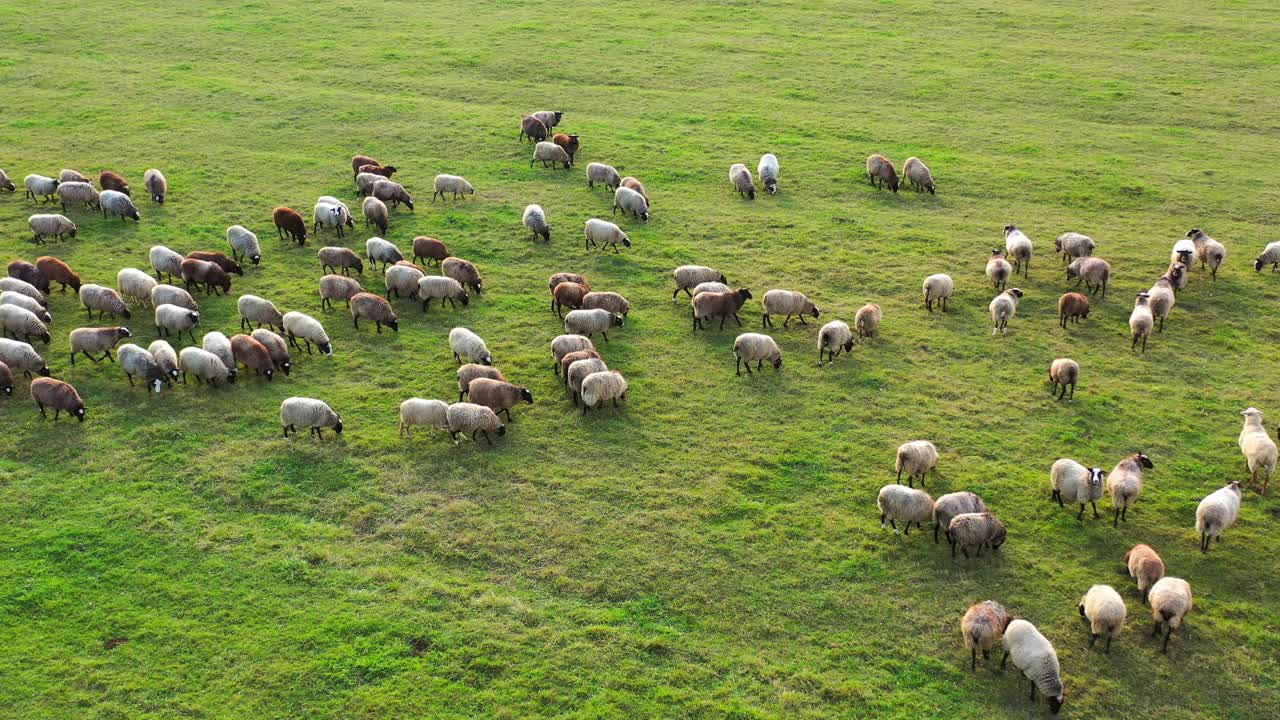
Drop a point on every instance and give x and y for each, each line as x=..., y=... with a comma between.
x=1074, y=245
x=21, y=356
x=204, y=365
x=562, y=345
x=334, y=215
x=1103, y=607
x=600, y=386
x=1075, y=483
x=156, y=184
x=952, y=504
x=632, y=202
x=254, y=309
x=689, y=276
x=382, y=251
x=452, y=184
x=535, y=218
x=832, y=338
x=1170, y=600
x=982, y=627
x=906, y=504
x=172, y=295
x=166, y=357
x=1018, y=246
x=117, y=204
x=740, y=178
x=375, y=213
x=365, y=182
x=601, y=173
x=1216, y=513
x=244, y=244
x=1124, y=483
x=757, y=348
x=11, y=297
x=13, y=284
x=172, y=318
x=578, y=371
x=1258, y=448
x=40, y=186
x=710, y=287
x=788, y=303
x=19, y=321
x=417, y=411
x=1208, y=250
x=1141, y=321
x=550, y=152
x=298, y=325
x=1270, y=256
x=768, y=172
x=1161, y=298
x=1064, y=372
x=471, y=418
x=602, y=233
x=998, y=270
x=590, y=322
x=917, y=459
x=467, y=344
x=1034, y=655
x=438, y=287
x=402, y=280
x=166, y=261
x=135, y=285
x=50, y=225
x=82, y=193
x=135, y=360
x=938, y=288
x=309, y=413
x=1003, y=307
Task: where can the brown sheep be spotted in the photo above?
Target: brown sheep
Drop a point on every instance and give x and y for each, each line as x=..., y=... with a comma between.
x=473, y=371
x=385, y=171
x=108, y=180
x=464, y=272
x=564, y=277
x=568, y=143
x=359, y=161
x=573, y=357
x=532, y=128
x=719, y=304
x=497, y=395
x=58, y=272
x=220, y=259
x=1145, y=565
x=634, y=184
x=880, y=170
x=203, y=272
x=371, y=307
x=1072, y=306
x=428, y=249
x=57, y=395
x=30, y=274
x=253, y=355
x=290, y=221
x=567, y=294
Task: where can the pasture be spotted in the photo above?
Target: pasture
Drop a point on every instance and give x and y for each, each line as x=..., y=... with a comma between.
x=711, y=548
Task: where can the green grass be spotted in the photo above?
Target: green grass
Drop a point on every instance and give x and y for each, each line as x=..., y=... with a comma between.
x=711, y=549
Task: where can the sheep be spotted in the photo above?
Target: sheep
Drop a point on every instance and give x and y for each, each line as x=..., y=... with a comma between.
x=156, y=184
x=611, y=301
x=451, y=184
x=402, y=279
x=601, y=386
x=91, y=340
x=166, y=357
x=938, y=287
x=466, y=344
x=568, y=295
x=1217, y=512
x=532, y=128
x=208, y=274
x=710, y=287
x=1018, y=246
x=470, y=418
x=59, y=272
x=473, y=371
x=390, y=191
x=12, y=297
x=437, y=287
x=634, y=184
x=549, y=118
x=1170, y=599
x=568, y=360
x=21, y=356
x=1270, y=256
x=117, y=204
x=1072, y=306
x=464, y=271
x=108, y=180
x=689, y=276
x=375, y=213
x=371, y=307
x=787, y=302
x=1034, y=655
x=754, y=347
x=498, y=395
x=1064, y=372
x=578, y=370
x=331, y=215
x=983, y=626
x=723, y=305
x=337, y=287
x=358, y=161
x=880, y=172
x=428, y=249
x=30, y=274
x=6, y=183
x=602, y=234
x=630, y=201
x=6, y=375
x=917, y=459
x=1177, y=274
x=832, y=338
x=951, y=505
x=1162, y=299
x=590, y=322
x=1075, y=483
x=1124, y=484
x=310, y=413
x=253, y=355
x=907, y=504
x=1208, y=250
x=740, y=179
x=204, y=365
x=1141, y=321
x=601, y=173
x=416, y=411
x=103, y=299
x=165, y=262
x=917, y=174
x=569, y=143
x=1183, y=250
x=1144, y=565
x=975, y=529
x=1003, y=307
x=1258, y=448
x=998, y=269
x=535, y=218
x=550, y=152
x=220, y=345
x=288, y=220
x=58, y=395
x=768, y=172
x=564, y=344
x=135, y=360
x=136, y=285
x=18, y=285
x=39, y=185
x=72, y=193
x=365, y=182
x=1092, y=271
x=21, y=322
x=276, y=348
x=298, y=325
x=172, y=295
x=563, y=277
x=254, y=309
x=381, y=251
x=1074, y=245
x=333, y=259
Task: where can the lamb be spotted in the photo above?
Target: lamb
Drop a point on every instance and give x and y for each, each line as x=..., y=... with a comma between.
x=464, y=271
x=402, y=279
x=108, y=180
x=470, y=418
x=722, y=305
x=117, y=204
x=156, y=184
x=1177, y=274
x=1064, y=372
x=740, y=178
x=562, y=277
x=30, y=274
x=1161, y=299
x=1258, y=449
x=428, y=249
x=754, y=347
x=564, y=344
x=1124, y=484
x=472, y=371
x=983, y=626
x=331, y=215
x=437, y=287
x=1018, y=246
x=6, y=375
x=298, y=325
x=165, y=262
x=601, y=173
x=787, y=302
x=998, y=270
x=602, y=233
x=1072, y=306
x=880, y=172
x=578, y=370
x=550, y=152
x=276, y=348
x=333, y=259
x=375, y=213
x=1208, y=250
x=58, y=395
x=498, y=395
x=20, y=286
x=1034, y=655
x=632, y=202
x=337, y=287
x=1145, y=565
x=590, y=322
x=1141, y=321
x=19, y=321
x=466, y=344
x=6, y=183
x=254, y=309
x=381, y=251
x=938, y=288
x=1170, y=602
x=451, y=184
x=39, y=185
x=601, y=386
x=204, y=365
x=917, y=459
x=253, y=355
x=1074, y=245
x=1075, y=483
x=21, y=356
x=416, y=411
x=371, y=307
x=135, y=285
x=1270, y=256
x=611, y=301
x=103, y=299
x=917, y=175
x=906, y=504
x=1216, y=513
x=975, y=529
x=688, y=276
x=11, y=297
x=568, y=295
x=58, y=272
x=72, y=193
x=220, y=345
x=710, y=287
x=365, y=182
x=634, y=184
x=1003, y=307
x=67, y=175
x=570, y=144
x=549, y=118
x=91, y=340
x=358, y=161
x=768, y=172
x=390, y=191
x=951, y=505
x=165, y=357
x=172, y=295
x=532, y=128
x=1092, y=271
x=310, y=413
x=536, y=220
x=208, y=274
x=135, y=360
x=288, y=220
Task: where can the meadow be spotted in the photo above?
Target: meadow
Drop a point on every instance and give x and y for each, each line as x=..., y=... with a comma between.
x=710, y=549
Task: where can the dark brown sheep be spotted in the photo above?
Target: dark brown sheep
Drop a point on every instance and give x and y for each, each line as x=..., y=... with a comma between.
x=565, y=277
x=360, y=161
x=290, y=221
x=567, y=294
x=428, y=249
x=108, y=180
x=253, y=355
x=464, y=272
x=532, y=128
x=1072, y=306
x=573, y=357
x=569, y=143
x=880, y=170
x=221, y=260
x=30, y=274
x=57, y=395
x=719, y=304
x=371, y=307
x=385, y=171
x=58, y=272
x=203, y=272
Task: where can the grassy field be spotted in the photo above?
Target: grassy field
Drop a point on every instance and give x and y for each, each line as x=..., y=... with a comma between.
x=712, y=548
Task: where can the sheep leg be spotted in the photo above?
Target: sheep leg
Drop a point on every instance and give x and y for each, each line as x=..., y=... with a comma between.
x=1093, y=637
x=973, y=659
x=1073, y=391
x=739, y=372
x=965, y=550
x=737, y=319
x=759, y=365
x=1162, y=323
x=980, y=549
x=1033, y=690
x=41, y=406
x=1064, y=391
x=1168, y=633
x=764, y=320
x=748, y=367
x=1003, y=659
x=130, y=379
x=56, y=413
